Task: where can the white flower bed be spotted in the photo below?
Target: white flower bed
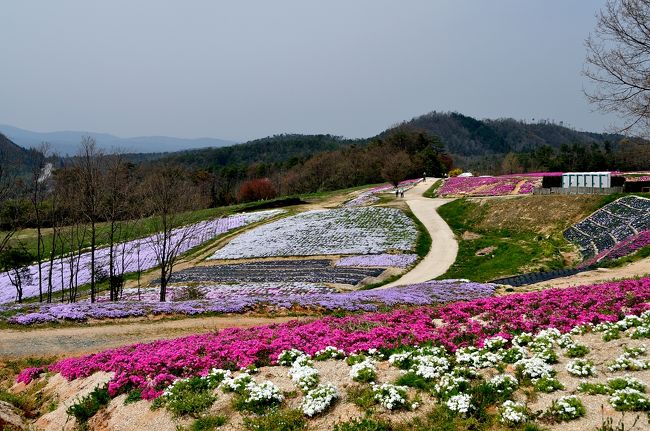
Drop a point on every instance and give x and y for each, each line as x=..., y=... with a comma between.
x=368, y=230
x=513, y=413
x=534, y=368
x=390, y=397
x=363, y=371
x=304, y=376
x=319, y=399
x=461, y=404
x=265, y=392
x=581, y=368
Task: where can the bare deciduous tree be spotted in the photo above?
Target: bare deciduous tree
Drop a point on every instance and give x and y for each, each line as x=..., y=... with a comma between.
x=618, y=63
x=167, y=192
x=89, y=169
x=38, y=189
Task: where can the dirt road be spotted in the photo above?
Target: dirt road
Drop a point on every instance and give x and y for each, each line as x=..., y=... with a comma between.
x=71, y=341
x=444, y=246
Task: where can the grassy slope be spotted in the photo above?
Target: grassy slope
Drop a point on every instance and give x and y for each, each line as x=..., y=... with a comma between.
x=431, y=191
x=525, y=231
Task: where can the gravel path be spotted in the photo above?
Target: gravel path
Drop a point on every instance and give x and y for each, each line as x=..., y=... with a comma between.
x=79, y=340
x=444, y=246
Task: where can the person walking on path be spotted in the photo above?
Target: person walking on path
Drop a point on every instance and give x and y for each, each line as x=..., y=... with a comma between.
x=424, y=177
x=401, y=192
x=396, y=192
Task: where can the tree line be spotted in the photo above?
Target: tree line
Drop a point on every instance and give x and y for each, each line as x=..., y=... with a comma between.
x=94, y=199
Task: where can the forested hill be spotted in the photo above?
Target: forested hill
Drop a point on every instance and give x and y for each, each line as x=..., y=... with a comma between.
x=279, y=149
x=15, y=158
x=470, y=138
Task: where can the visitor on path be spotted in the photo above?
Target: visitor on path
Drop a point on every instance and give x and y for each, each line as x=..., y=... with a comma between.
x=401, y=192
x=424, y=177
x=396, y=192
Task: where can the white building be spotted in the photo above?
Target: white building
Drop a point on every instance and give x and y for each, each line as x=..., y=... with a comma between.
x=597, y=180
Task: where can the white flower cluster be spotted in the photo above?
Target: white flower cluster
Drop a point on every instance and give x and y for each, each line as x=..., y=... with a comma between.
x=237, y=383
x=504, y=383
x=582, y=329
x=365, y=370
x=461, y=403
x=319, y=399
x=329, y=352
x=513, y=413
x=630, y=361
x=288, y=357
x=522, y=339
x=629, y=321
x=534, y=368
x=390, y=396
x=304, y=376
x=581, y=368
x=565, y=341
x=401, y=359
x=472, y=357
x=263, y=393
x=566, y=408
x=626, y=382
x=430, y=367
x=495, y=343
x=629, y=399
x=449, y=385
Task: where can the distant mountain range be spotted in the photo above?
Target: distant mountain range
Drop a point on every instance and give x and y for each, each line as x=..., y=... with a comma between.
x=67, y=142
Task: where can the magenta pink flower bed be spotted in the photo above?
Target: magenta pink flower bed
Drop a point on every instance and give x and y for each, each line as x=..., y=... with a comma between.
x=490, y=186
x=151, y=367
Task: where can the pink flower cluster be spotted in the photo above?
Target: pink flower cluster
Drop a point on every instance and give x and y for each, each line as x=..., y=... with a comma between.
x=151, y=366
x=629, y=245
x=490, y=186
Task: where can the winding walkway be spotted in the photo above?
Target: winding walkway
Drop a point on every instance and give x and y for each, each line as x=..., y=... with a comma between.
x=444, y=246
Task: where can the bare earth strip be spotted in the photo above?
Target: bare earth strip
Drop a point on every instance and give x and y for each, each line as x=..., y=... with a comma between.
x=444, y=246
x=71, y=341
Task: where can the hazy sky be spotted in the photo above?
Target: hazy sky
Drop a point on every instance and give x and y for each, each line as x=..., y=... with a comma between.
x=246, y=69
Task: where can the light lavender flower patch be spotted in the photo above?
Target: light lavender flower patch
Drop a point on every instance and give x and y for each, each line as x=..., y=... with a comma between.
x=366, y=230
x=130, y=256
x=379, y=260
x=241, y=298
x=369, y=196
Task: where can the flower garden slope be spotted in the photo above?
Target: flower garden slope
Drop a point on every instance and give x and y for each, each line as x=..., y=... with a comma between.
x=368, y=230
x=151, y=367
x=138, y=254
x=615, y=223
x=239, y=298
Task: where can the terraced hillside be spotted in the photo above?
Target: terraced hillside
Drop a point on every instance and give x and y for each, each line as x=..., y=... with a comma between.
x=610, y=226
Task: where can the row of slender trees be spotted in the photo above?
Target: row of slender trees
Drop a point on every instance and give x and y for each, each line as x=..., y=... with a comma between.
x=89, y=201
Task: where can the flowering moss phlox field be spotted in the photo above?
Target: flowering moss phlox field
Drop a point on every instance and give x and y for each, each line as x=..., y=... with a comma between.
x=151, y=367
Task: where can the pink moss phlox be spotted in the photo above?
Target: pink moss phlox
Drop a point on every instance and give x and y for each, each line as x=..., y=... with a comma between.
x=29, y=374
x=149, y=367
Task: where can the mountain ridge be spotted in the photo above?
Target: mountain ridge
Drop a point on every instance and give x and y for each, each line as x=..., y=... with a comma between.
x=66, y=142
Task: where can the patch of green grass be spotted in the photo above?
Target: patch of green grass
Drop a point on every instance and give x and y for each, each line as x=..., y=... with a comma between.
x=277, y=420
x=412, y=380
x=208, y=423
x=361, y=396
x=432, y=191
x=423, y=243
x=88, y=406
x=513, y=251
x=365, y=424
